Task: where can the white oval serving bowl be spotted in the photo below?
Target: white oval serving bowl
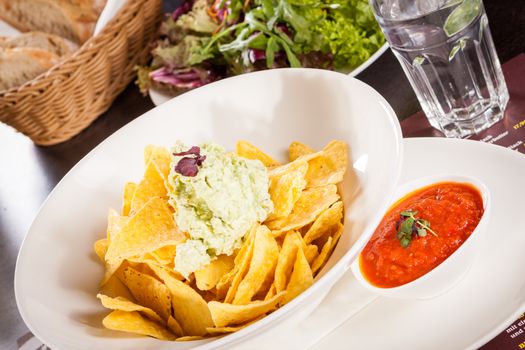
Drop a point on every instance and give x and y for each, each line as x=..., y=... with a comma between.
x=447, y=274
x=57, y=273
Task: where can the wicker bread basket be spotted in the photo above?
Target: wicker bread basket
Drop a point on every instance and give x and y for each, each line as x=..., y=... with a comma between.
x=60, y=103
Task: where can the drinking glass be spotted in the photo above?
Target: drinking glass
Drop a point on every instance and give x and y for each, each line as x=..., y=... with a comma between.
x=447, y=52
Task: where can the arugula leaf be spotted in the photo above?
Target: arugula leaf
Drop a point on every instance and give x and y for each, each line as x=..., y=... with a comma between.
x=271, y=48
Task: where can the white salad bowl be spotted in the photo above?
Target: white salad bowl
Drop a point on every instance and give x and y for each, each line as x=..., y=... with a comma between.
x=450, y=272
x=57, y=272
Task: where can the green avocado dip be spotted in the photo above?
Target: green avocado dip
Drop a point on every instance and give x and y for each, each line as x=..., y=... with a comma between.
x=217, y=197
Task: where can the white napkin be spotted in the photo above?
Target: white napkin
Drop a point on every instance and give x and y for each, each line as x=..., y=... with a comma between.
x=7, y=30
x=110, y=10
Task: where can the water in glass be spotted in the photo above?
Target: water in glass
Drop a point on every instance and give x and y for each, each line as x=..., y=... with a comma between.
x=447, y=52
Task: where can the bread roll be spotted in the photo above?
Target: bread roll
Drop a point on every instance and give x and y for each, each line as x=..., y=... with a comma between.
x=49, y=42
x=71, y=19
x=20, y=65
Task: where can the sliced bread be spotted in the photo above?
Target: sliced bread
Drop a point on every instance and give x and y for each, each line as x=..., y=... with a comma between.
x=71, y=19
x=54, y=43
x=20, y=65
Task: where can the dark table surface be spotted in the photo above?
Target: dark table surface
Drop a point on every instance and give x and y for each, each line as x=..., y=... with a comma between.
x=28, y=173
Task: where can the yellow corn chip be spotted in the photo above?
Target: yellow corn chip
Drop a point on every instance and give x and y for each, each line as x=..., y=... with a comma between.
x=244, y=265
x=224, y=284
x=174, y=326
x=249, y=151
x=101, y=247
x=309, y=205
x=152, y=185
x=323, y=256
x=115, y=288
x=311, y=252
x=330, y=167
x=224, y=314
x=148, y=292
x=189, y=308
x=190, y=338
x=328, y=218
x=298, y=149
x=264, y=259
x=161, y=270
x=115, y=224
x=133, y=322
x=127, y=196
x=222, y=330
x=271, y=292
x=283, y=169
x=149, y=229
x=123, y=304
x=286, y=259
x=286, y=189
x=161, y=156
x=164, y=255
x=301, y=278
x=208, y=277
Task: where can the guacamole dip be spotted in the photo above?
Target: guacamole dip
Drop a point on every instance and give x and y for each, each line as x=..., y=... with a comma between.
x=217, y=197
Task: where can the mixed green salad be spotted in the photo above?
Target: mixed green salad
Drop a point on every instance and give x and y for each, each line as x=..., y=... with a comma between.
x=203, y=41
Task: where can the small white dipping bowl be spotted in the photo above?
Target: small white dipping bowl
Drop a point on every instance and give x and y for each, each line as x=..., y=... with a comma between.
x=447, y=274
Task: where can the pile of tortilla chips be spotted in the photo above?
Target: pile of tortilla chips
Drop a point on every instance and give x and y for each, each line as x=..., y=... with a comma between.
x=277, y=261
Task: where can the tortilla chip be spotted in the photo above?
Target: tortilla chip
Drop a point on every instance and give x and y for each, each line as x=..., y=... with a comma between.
x=264, y=259
x=208, y=277
x=133, y=322
x=148, y=292
x=222, y=330
x=323, y=256
x=115, y=288
x=165, y=255
x=127, y=196
x=298, y=149
x=328, y=218
x=311, y=252
x=190, y=338
x=123, y=304
x=224, y=314
x=271, y=292
x=301, y=278
x=286, y=259
x=161, y=270
x=174, y=326
x=161, y=156
x=310, y=204
x=101, y=247
x=115, y=224
x=330, y=167
x=152, y=185
x=241, y=271
x=189, y=308
x=286, y=189
x=149, y=229
x=249, y=151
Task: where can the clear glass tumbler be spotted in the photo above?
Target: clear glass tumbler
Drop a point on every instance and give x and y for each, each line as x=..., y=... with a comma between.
x=447, y=52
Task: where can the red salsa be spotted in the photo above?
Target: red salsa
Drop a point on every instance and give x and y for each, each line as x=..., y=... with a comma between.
x=453, y=211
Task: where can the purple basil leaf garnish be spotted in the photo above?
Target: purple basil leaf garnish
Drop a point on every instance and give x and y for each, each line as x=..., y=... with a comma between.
x=195, y=150
x=187, y=167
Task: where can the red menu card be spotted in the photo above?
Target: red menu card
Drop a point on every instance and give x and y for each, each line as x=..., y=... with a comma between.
x=509, y=132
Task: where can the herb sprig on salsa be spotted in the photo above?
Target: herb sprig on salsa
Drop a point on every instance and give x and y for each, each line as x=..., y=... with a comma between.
x=409, y=225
